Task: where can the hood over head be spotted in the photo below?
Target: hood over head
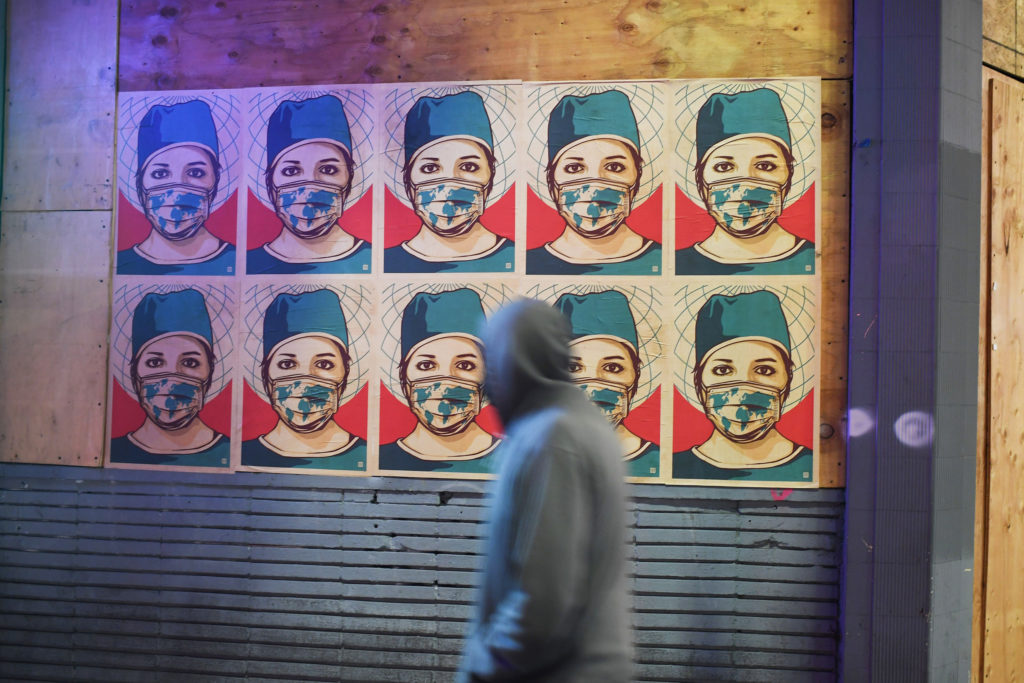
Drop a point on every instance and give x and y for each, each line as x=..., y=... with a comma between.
x=526, y=353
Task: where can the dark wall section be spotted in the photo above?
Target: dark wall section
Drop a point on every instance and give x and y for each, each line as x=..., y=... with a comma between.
x=112, y=574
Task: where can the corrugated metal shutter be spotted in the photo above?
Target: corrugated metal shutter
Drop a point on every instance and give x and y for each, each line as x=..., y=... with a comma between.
x=131, y=575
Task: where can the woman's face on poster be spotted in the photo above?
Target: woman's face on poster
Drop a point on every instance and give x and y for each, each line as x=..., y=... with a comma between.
x=309, y=355
x=305, y=376
x=605, y=359
x=179, y=354
x=458, y=158
x=181, y=165
x=172, y=374
x=442, y=384
x=606, y=371
x=315, y=161
x=176, y=187
x=606, y=159
x=748, y=157
x=449, y=356
x=751, y=361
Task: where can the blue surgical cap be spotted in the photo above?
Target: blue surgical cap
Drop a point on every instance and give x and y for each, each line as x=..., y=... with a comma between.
x=320, y=118
x=177, y=124
x=458, y=311
x=183, y=311
x=725, y=319
x=291, y=315
x=754, y=112
x=601, y=314
x=458, y=115
x=605, y=114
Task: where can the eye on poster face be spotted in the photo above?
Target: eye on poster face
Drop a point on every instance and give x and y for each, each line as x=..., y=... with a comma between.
x=747, y=168
x=306, y=367
x=433, y=417
x=171, y=362
x=744, y=389
x=311, y=172
x=177, y=172
x=615, y=358
x=449, y=168
x=595, y=173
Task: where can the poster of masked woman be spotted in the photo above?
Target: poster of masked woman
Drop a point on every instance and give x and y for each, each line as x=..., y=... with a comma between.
x=747, y=169
x=744, y=406
x=449, y=167
x=305, y=388
x=594, y=201
x=434, y=420
x=615, y=357
x=177, y=173
x=171, y=359
x=311, y=171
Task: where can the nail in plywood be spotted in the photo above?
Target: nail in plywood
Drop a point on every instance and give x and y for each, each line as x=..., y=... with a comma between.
x=1004, y=590
x=55, y=308
x=58, y=152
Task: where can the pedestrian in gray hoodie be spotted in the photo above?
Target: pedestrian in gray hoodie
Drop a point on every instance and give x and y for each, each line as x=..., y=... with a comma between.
x=552, y=604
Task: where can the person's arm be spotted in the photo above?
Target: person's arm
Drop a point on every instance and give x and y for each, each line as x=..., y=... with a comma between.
x=535, y=625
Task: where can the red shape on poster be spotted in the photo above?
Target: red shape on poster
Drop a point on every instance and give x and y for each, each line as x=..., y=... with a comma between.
x=133, y=228
x=263, y=224
x=401, y=223
x=797, y=423
x=545, y=224
x=693, y=224
x=644, y=420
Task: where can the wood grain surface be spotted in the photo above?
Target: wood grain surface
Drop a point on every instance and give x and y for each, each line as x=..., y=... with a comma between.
x=1003, y=635
x=237, y=43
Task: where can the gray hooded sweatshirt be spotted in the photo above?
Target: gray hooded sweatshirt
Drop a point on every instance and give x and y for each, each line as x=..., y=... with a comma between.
x=552, y=604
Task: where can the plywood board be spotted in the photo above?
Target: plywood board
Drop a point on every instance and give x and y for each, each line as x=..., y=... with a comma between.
x=984, y=333
x=195, y=44
x=835, y=259
x=55, y=305
x=58, y=152
x=999, y=21
x=1004, y=597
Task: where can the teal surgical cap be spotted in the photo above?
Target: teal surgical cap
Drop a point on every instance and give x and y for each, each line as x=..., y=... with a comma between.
x=605, y=114
x=320, y=118
x=601, y=314
x=754, y=112
x=428, y=315
x=725, y=319
x=176, y=312
x=458, y=115
x=177, y=124
x=291, y=315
